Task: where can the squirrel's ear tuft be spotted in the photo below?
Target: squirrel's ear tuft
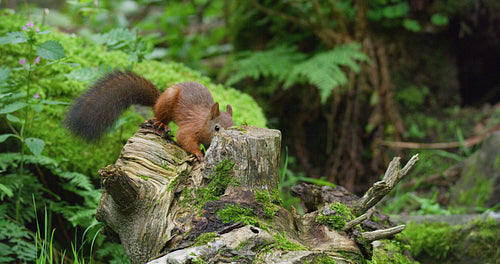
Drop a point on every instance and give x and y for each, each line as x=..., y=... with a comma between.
x=214, y=111
x=229, y=110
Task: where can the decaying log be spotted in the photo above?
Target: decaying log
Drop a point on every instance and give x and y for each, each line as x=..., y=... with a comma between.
x=166, y=207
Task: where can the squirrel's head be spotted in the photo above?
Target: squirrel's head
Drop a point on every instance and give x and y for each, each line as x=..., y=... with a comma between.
x=216, y=120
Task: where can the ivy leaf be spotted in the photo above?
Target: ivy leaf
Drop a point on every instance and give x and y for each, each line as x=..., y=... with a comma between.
x=35, y=145
x=51, y=50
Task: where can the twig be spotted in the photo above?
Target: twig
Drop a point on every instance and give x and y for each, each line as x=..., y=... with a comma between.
x=381, y=234
x=381, y=188
x=441, y=145
x=354, y=222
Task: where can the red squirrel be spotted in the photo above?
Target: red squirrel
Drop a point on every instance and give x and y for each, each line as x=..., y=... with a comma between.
x=188, y=104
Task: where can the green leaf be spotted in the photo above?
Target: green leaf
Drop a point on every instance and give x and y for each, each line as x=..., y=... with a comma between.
x=324, y=70
x=4, y=74
x=116, y=38
x=439, y=20
x=14, y=38
x=37, y=107
x=12, y=107
x=6, y=190
x=275, y=63
x=5, y=137
x=50, y=50
x=396, y=11
x=35, y=145
x=13, y=118
x=78, y=180
x=412, y=25
x=49, y=102
x=83, y=74
x=44, y=32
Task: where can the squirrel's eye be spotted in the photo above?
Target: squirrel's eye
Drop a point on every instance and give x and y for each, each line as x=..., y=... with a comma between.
x=217, y=127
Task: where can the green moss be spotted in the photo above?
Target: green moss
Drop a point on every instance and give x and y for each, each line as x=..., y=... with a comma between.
x=241, y=245
x=219, y=181
x=144, y=177
x=448, y=244
x=338, y=219
x=242, y=129
x=265, y=198
x=239, y=214
x=320, y=258
x=203, y=239
x=392, y=251
x=283, y=243
x=178, y=179
x=55, y=82
x=186, y=198
x=276, y=196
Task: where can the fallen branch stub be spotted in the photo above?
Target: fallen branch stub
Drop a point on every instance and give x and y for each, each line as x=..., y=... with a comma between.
x=381, y=188
x=159, y=202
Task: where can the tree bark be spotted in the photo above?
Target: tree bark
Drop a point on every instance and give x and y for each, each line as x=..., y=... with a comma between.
x=166, y=207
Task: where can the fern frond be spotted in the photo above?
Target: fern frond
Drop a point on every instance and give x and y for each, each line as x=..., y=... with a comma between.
x=77, y=180
x=275, y=63
x=324, y=70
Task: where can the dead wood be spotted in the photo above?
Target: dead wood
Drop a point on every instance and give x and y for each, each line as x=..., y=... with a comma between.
x=165, y=207
x=381, y=188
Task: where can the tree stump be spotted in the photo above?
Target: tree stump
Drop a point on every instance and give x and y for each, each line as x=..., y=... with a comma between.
x=166, y=207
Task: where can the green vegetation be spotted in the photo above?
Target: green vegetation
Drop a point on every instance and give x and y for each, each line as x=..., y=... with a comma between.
x=236, y=213
x=265, y=198
x=392, y=251
x=351, y=73
x=42, y=71
x=219, y=181
x=204, y=238
x=450, y=244
x=283, y=243
x=338, y=218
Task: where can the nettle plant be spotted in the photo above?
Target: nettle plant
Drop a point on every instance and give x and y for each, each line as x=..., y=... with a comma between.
x=17, y=100
x=21, y=190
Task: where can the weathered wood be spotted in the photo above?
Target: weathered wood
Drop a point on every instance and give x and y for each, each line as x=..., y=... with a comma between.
x=381, y=234
x=158, y=201
x=355, y=222
x=138, y=212
x=381, y=188
x=255, y=152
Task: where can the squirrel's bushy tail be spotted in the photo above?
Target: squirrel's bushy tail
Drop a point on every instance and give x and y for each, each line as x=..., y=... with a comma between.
x=97, y=109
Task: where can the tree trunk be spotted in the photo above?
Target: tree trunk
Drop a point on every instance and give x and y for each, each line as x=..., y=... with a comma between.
x=166, y=207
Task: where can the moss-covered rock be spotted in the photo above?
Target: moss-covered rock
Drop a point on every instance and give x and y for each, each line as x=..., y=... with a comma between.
x=476, y=242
